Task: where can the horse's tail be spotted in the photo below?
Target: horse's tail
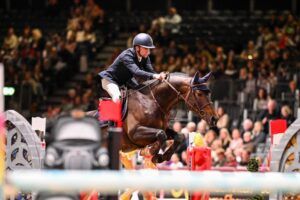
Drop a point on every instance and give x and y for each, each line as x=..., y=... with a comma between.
x=92, y=113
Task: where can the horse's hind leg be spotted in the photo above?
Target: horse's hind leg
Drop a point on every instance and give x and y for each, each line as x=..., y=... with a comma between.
x=178, y=139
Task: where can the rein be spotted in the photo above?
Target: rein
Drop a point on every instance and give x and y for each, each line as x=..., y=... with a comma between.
x=147, y=85
x=184, y=98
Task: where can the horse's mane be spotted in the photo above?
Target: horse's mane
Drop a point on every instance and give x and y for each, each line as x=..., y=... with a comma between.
x=179, y=74
x=153, y=82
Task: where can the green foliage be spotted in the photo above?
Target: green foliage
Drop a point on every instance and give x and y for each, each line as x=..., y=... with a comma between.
x=257, y=197
x=253, y=165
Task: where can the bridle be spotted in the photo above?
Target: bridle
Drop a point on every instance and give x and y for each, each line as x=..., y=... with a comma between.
x=200, y=109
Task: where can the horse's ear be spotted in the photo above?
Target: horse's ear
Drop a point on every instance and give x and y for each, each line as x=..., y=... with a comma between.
x=196, y=78
x=205, y=78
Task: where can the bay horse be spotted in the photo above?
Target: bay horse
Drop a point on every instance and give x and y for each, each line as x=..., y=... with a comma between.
x=146, y=123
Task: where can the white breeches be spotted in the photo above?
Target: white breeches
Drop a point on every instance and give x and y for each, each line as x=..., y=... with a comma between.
x=112, y=89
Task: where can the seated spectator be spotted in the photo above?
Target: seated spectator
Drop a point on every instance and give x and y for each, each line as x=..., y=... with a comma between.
x=225, y=138
x=39, y=41
x=258, y=135
x=202, y=127
x=223, y=120
x=171, y=51
x=93, y=12
x=250, y=53
x=231, y=70
x=291, y=93
x=25, y=39
x=247, y=125
x=216, y=144
x=175, y=162
x=287, y=114
x=268, y=114
x=209, y=137
x=262, y=80
x=170, y=22
x=183, y=158
x=76, y=4
x=250, y=87
x=177, y=127
x=261, y=101
x=191, y=126
x=237, y=142
x=11, y=40
x=186, y=132
x=220, y=56
x=88, y=82
x=230, y=159
x=220, y=159
x=247, y=141
x=243, y=75
x=243, y=158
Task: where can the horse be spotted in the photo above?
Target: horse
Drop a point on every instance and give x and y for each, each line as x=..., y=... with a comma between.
x=146, y=122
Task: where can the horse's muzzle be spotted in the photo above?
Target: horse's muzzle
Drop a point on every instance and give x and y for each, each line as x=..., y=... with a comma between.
x=213, y=121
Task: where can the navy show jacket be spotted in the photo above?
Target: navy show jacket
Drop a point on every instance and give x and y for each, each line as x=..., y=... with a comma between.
x=126, y=66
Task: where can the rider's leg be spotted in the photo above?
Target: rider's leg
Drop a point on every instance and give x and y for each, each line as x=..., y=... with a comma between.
x=112, y=89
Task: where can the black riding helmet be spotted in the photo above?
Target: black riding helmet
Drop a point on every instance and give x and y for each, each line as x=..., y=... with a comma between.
x=144, y=40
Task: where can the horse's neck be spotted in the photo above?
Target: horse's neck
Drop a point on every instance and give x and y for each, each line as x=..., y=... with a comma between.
x=167, y=96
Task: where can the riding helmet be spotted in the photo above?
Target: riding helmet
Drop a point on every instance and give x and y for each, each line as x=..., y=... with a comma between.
x=144, y=40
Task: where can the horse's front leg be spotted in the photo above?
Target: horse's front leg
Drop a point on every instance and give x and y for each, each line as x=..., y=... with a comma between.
x=178, y=139
x=151, y=137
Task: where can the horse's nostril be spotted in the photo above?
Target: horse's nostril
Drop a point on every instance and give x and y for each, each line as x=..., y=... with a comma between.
x=214, y=120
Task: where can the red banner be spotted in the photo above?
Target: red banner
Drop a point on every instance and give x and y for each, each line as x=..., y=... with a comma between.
x=278, y=126
x=109, y=110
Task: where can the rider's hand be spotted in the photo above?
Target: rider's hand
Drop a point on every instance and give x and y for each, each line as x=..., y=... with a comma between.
x=163, y=75
x=160, y=76
x=157, y=76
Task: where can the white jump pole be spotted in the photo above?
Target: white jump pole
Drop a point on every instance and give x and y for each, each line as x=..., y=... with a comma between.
x=1, y=88
x=110, y=182
x=2, y=131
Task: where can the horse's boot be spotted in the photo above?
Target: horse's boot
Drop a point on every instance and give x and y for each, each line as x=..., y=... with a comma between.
x=161, y=137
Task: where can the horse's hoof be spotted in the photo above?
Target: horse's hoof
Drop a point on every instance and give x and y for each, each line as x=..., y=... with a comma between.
x=157, y=158
x=154, y=148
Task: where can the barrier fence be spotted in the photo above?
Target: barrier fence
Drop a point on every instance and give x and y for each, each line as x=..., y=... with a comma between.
x=110, y=182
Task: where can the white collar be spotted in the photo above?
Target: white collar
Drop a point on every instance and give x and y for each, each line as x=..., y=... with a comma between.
x=139, y=58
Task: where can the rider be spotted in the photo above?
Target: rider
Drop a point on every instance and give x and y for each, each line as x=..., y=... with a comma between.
x=130, y=63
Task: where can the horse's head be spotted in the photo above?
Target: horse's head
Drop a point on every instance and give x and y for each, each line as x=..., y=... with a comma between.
x=198, y=99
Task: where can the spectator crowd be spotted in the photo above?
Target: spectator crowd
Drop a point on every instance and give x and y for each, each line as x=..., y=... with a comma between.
x=37, y=64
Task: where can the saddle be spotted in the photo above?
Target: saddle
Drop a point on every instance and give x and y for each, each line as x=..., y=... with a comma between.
x=124, y=103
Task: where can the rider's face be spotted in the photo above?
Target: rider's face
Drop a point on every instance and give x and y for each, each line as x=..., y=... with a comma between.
x=144, y=52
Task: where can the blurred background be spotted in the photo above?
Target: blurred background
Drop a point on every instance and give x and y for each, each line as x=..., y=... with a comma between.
x=52, y=51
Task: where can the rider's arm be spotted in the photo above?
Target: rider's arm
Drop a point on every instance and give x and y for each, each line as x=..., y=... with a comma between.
x=134, y=69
